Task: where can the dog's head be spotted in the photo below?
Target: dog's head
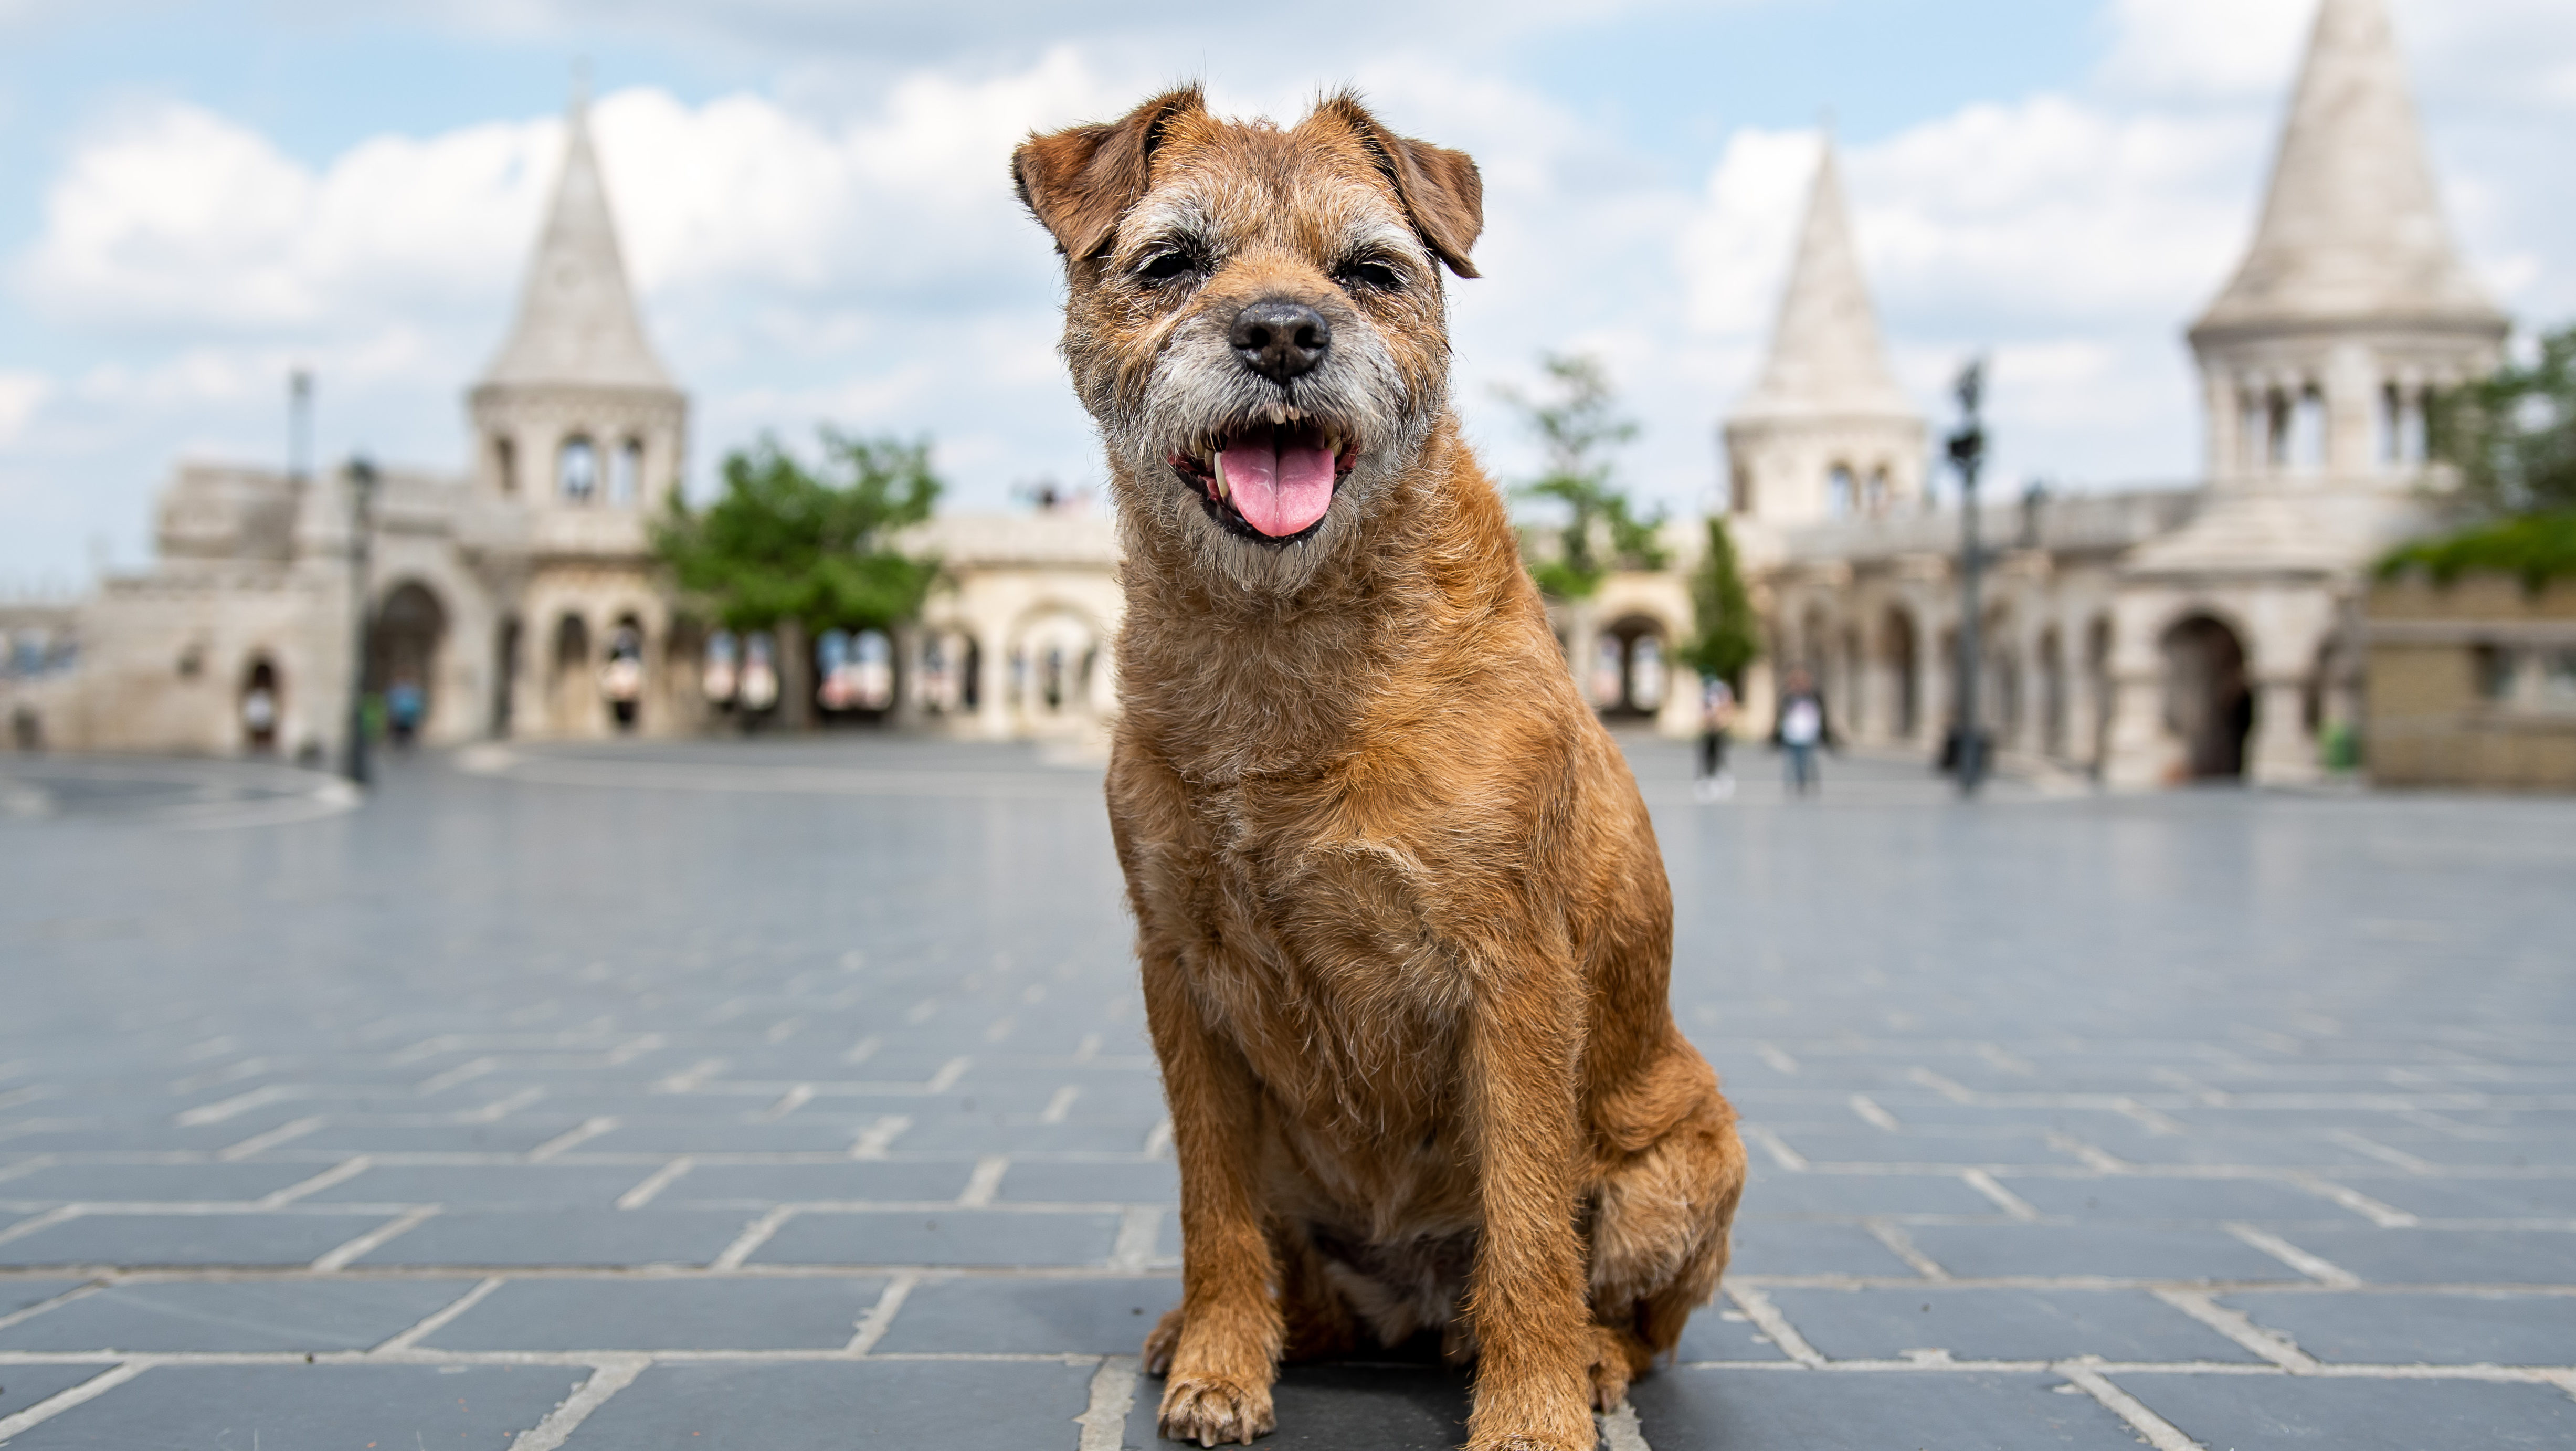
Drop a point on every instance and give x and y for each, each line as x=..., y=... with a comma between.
x=1256, y=317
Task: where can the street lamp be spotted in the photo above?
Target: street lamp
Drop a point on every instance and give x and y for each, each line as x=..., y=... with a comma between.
x=1968, y=454
x=362, y=507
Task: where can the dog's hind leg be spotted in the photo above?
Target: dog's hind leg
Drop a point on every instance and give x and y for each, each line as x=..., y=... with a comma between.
x=1659, y=1240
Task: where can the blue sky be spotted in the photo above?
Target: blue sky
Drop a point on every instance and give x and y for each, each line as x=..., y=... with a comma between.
x=194, y=198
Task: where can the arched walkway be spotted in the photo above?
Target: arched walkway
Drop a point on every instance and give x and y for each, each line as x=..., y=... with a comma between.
x=2208, y=702
x=1903, y=650
x=403, y=647
x=262, y=705
x=1635, y=668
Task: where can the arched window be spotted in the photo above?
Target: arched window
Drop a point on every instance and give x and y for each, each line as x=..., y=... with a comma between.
x=2308, y=432
x=625, y=472
x=1840, y=493
x=505, y=464
x=577, y=469
x=1874, y=495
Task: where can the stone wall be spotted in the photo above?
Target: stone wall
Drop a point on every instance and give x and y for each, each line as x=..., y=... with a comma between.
x=2472, y=684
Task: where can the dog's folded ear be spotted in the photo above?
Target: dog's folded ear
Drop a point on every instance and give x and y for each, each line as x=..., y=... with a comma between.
x=1440, y=188
x=1079, y=181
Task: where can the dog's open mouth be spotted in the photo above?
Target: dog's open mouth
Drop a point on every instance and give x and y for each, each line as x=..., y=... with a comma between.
x=1269, y=481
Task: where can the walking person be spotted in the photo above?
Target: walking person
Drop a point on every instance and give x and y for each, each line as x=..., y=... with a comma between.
x=1802, y=728
x=1716, y=718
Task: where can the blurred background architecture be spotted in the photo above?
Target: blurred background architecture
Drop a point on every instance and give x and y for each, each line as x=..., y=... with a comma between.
x=2141, y=637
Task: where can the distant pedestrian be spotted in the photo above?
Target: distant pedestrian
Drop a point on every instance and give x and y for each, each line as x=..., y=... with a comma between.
x=1716, y=718
x=1801, y=729
x=405, y=704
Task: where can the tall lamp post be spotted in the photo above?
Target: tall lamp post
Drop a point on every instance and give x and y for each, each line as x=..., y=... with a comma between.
x=1968, y=455
x=362, y=508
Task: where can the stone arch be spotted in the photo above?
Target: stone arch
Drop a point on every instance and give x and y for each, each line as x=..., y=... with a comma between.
x=261, y=707
x=577, y=469
x=1900, y=645
x=624, y=675
x=2209, y=698
x=1054, y=662
x=568, y=674
x=2098, y=640
x=626, y=472
x=1636, y=664
x=1842, y=491
x=405, y=642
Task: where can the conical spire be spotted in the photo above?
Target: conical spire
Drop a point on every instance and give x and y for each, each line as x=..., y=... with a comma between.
x=577, y=322
x=1826, y=357
x=2352, y=228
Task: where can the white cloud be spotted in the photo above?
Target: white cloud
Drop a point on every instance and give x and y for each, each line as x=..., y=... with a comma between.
x=21, y=394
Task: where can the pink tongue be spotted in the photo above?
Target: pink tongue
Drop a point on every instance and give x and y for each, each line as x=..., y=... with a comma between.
x=1279, y=491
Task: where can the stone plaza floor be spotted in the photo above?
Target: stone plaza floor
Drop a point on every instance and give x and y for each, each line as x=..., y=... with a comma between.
x=793, y=1095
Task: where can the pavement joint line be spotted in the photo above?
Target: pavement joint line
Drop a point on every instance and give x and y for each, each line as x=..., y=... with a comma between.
x=879, y=1318
x=339, y=1173
x=655, y=1182
x=1901, y=1245
x=28, y=1094
x=1868, y=1111
x=1138, y=1225
x=1766, y=1316
x=948, y=1074
x=1158, y=1139
x=1777, y=1060
x=1947, y=1087
x=862, y=1050
x=27, y=1166
x=2003, y=1058
x=2384, y=1215
x=230, y=1073
x=985, y=1182
x=438, y=1319
x=586, y=1130
x=788, y=1102
x=1787, y=1158
x=2155, y=1430
x=501, y=1108
x=1113, y=1394
x=374, y=1239
x=2094, y=1155
x=1060, y=1107
x=2314, y=1266
x=691, y=1078
x=2004, y=1199
x=233, y=1107
x=613, y=1374
x=46, y=1220
x=753, y=1236
x=2360, y=1143
x=262, y=1142
x=1619, y=1428
x=2147, y=1118
x=879, y=1135
x=2236, y=1325
x=63, y=1400
x=30, y=1312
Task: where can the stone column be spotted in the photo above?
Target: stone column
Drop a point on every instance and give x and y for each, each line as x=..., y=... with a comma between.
x=2280, y=752
x=2142, y=753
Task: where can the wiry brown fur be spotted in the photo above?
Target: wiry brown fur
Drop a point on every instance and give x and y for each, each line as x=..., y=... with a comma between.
x=1404, y=931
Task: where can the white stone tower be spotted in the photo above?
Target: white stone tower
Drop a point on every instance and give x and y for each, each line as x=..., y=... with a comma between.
x=1826, y=433
x=576, y=416
x=2351, y=302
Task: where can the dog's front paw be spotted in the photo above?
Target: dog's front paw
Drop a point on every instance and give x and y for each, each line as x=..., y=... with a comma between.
x=1216, y=1411
x=1166, y=1339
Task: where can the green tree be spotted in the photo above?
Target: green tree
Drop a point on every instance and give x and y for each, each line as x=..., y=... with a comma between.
x=2512, y=434
x=1727, y=640
x=1578, y=427
x=789, y=543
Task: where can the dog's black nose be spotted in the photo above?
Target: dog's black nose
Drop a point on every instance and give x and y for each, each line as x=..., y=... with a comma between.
x=1281, y=340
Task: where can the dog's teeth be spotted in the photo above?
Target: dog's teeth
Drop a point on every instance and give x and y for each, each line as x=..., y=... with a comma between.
x=1221, y=490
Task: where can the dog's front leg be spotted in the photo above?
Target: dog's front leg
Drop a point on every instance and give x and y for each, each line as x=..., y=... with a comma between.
x=1527, y=1299
x=1223, y=1342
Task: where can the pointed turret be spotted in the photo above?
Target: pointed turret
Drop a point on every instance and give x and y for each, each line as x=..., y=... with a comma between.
x=2352, y=304
x=577, y=322
x=1826, y=432
x=2352, y=227
x=1826, y=356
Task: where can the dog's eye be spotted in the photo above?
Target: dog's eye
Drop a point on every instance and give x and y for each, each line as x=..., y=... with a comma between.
x=1167, y=266
x=1374, y=275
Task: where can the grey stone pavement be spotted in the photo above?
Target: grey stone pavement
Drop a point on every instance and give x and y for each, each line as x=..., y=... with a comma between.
x=794, y=1095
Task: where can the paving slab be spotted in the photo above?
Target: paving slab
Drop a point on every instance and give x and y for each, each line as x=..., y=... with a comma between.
x=2113, y=1250
x=1784, y=1193
x=500, y=1237
x=1722, y=1333
x=2358, y=1415
x=2457, y=1198
x=240, y=1315
x=1979, y=1324
x=1029, y=1316
x=954, y=1406
x=116, y=1183
x=1842, y=1411
x=2128, y=1196
x=1357, y=1407
x=22, y=1386
x=941, y=1237
x=2439, y=1256
x=1789, y=1247
x=547, y=1186
x=1041, y=1181
x=19, y=1292
x=878, y=1180
x=623, y=1313
x=308, y=1408
x=246, y=1238
x=2418, y=1328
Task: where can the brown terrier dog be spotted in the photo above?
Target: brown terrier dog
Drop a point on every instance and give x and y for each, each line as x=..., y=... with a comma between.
x=1404, y=930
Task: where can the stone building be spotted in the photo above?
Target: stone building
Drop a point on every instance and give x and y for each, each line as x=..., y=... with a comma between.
x=2153, y=635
